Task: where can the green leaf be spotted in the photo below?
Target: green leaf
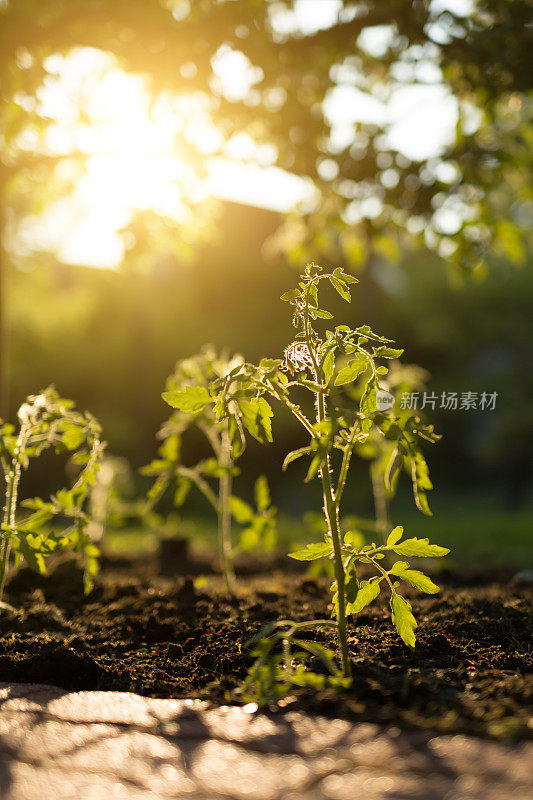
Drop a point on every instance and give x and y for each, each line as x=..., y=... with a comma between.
x=262, y=493
x=421, y=482
x=193, y=399
x=398, y=567
x=294, y=454
x=292, y=294
x=321, y=313
x=256, y=414
x=73, y=436
x=395, y=535
x=387, y=352
x=241, y=511
x=368, y=591
x=34, y=559
x=351, y=371
x=367, y=332
x=368, y=400
x=312, y=386
x=419, y=547
x=344, y=276
x=341, y=288
x=414, y=577
x=392, y=471
x=312, y=551
x=403, y=619
x=270, y=363
x=314, y=466
x=351, y=587
x=249, y=538
x=183, y=486
x=328, y=365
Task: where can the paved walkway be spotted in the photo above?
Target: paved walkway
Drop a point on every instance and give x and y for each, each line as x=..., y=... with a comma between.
x=56, y=745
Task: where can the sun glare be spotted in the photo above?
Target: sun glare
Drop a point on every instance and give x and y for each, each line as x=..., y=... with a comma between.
x=166, y=154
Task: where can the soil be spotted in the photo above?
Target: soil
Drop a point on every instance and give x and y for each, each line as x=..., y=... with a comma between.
x=138, y=631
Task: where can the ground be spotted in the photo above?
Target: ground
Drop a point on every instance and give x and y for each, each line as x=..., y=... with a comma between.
x=170, y=637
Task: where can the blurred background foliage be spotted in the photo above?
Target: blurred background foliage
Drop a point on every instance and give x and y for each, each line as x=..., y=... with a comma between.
x=441, y=241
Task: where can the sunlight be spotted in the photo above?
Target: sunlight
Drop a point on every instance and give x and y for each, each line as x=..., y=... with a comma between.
x=166, y=154
x=142, y=154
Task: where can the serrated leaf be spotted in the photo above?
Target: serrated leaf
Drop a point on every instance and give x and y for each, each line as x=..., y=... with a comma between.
x=367, y=332
x=403, y=619
x=351, y=371
x=193, y=399
x=415, y=578
x=270, y=363
x=368, y=591
x=328, y=365
x=73, y=436
x=341, y=288
x=292, y=294
x=399, y=567
x=311, y=552
x=321, y=313
x=395, y=535
x=368, y=401
x=387, y=352
x=419, y=547
x=338, y=272
x=256, y=414
x=242, y=512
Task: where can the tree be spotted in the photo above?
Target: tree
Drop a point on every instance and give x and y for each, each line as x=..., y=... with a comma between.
x=482, y=56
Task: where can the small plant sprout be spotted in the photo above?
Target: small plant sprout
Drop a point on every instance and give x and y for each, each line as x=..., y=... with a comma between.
x=189, y=392
x=326, y=366
x=47, y=421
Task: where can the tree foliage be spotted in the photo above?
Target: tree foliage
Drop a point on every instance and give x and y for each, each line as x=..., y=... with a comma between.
x=481, y=56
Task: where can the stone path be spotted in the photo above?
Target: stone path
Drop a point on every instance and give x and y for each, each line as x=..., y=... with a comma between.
x=56, y=745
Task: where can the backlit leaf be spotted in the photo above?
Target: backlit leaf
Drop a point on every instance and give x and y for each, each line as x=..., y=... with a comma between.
x=419, y=547
x=368, y=591
x=312, y=551
x=193, y=399
x=351, y=371
x=403, y=619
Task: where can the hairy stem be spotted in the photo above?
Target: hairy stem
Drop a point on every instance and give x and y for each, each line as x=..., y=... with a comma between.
x=224, y=511
x=330, y=510
x=10, y=508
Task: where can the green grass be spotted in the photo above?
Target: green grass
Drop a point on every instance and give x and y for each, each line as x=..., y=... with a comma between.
x=475, y=537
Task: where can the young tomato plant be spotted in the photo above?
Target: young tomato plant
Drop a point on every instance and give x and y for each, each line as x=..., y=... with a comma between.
x=47, y=421
x=188, y=392
x=327, y=367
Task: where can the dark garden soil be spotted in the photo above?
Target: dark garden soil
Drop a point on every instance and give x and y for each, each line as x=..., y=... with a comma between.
x=140, y=632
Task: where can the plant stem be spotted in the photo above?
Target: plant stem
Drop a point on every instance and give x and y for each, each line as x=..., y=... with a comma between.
x=224, y=511
x=331, y=511
x=12, y=481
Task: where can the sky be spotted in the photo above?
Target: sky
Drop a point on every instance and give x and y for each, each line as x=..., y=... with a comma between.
x=135, y=162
